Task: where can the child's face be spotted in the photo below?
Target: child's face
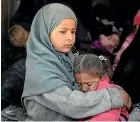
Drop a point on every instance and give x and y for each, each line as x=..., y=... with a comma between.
x=87, y=82
x=109, y=42
x=63, y=36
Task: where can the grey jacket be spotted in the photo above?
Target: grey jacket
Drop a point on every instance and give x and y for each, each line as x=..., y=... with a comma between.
x=64, y=104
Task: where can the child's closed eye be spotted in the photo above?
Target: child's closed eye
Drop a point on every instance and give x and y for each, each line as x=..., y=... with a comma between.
x=90, y=83
x=109, y=37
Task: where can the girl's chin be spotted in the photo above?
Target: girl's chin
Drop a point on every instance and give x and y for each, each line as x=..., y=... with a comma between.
x=65, y=50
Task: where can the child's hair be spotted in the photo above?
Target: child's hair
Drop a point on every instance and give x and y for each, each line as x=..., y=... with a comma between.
x=91, y=63
x=16, y=34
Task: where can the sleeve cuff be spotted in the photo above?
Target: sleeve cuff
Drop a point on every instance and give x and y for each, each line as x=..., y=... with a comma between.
x=116, y=100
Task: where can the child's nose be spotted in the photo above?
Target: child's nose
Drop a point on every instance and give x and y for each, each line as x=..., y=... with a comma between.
x=84, y=88
x=112, y=45
x=69, y=36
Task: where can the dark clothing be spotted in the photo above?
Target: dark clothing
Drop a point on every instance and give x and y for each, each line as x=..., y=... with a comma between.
x=123, y=13
x=26, y=12
x=28, y=8
x=14, y=54
x=124, y=10
x=13, y=113
x=99, y=51
x=12, y=82
x=127, y=71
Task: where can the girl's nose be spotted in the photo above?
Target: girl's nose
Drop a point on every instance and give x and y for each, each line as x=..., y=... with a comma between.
x=84, y=88
x=69, y=36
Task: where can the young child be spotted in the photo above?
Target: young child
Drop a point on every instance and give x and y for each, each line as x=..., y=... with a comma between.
x=107, y=43
x=50, y=91
x=18, y=36
x=93, y=73
x=128, y=39
x=105, y=46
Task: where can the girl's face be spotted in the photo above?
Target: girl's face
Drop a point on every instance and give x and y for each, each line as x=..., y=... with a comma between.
x=63, y=36
x=109, y=42
x=86, y=81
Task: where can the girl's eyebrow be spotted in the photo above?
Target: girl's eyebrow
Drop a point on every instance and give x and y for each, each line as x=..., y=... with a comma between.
x=67, y=28
x=90, y=81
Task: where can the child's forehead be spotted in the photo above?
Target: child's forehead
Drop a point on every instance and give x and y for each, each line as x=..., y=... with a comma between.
x=91, y=72
x=115, y=35
x=87, y=74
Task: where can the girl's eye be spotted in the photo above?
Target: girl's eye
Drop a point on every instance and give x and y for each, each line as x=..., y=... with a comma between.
x=78, y=84
x=90, y=84
x=109, y=37
x=63, y=32
x=73, y=32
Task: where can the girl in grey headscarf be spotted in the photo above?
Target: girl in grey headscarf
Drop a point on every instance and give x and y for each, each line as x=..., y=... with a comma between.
x=50, y=91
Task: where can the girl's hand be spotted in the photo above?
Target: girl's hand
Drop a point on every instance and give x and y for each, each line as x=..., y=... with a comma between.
x=126, y=99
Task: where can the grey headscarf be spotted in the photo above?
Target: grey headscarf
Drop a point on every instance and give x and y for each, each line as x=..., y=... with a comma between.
x=47, y=69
